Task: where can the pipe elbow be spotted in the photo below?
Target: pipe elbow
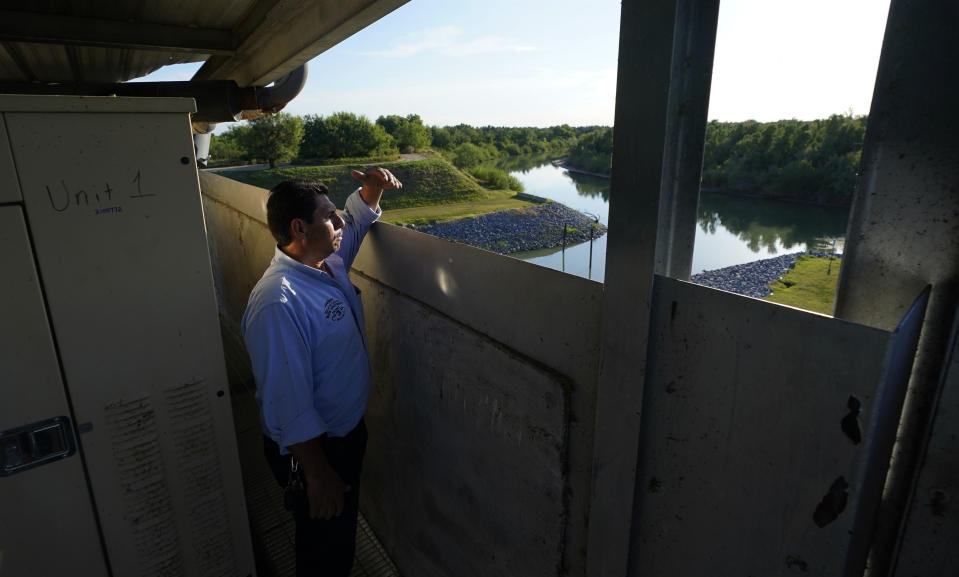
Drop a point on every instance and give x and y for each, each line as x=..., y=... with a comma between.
x=274, y=98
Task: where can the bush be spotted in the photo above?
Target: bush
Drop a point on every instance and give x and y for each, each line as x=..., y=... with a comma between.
x=495, y=179
x=468, y=155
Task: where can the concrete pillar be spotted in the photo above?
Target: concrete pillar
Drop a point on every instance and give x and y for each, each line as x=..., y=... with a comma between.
x=692, y=69
x=904, y=232
x=661, y=102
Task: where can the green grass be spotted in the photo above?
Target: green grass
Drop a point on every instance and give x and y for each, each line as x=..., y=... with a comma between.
x=502, y=200
x=392, y=157
x=425, y=182
x=811, y=285
x=433, y=189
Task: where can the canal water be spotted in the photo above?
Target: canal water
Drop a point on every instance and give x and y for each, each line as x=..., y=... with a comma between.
x=730, y=229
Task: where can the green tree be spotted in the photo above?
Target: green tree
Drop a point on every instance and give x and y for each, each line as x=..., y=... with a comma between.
x=593, y=151
x=344, y=135
x=561, y=132
x=442, y=138
x=390, y=123
x=275, y=137
x=412, y=135
x=409, y=134
x=465, y=133
x=231, y=146
x=803, y=160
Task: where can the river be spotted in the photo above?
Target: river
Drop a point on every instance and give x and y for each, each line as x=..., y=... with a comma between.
x=730, y=229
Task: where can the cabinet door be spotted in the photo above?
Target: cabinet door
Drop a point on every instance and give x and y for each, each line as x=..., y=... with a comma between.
x=114, y=205
x=47, y=523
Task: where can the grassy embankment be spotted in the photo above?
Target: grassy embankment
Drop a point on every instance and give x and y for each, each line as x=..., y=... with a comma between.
x=810, y=285
x=433, y=189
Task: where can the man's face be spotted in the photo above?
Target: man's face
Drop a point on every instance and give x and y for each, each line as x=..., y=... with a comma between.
x=325, y=233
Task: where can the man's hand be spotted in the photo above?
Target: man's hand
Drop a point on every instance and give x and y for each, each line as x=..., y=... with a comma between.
x=324, y=492
x=377, y=178
x=375, y=181
x=324, y=488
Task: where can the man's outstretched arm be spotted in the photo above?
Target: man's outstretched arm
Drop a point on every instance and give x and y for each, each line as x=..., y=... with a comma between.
x=362, y=209
x=374, y=182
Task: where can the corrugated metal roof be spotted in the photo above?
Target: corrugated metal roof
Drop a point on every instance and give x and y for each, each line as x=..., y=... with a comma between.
x=252, y=42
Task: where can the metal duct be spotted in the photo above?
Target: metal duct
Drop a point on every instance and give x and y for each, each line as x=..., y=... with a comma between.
x=216, y=100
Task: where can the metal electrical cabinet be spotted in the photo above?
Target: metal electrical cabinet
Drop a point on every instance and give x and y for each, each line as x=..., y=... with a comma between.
x=118, y=454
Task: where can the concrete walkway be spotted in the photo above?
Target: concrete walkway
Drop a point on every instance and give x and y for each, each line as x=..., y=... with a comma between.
x=271, y=527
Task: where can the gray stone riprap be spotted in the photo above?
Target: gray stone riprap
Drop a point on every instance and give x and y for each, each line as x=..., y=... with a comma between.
x=753, y=278
x=517, y=230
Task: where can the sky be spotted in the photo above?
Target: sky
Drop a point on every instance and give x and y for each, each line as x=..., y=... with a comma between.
x=549, y=62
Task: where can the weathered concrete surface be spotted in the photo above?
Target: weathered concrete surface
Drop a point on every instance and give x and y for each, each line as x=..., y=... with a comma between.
x=241, y=248
x=904, y=235
x=743, y=436
x=932, y=527
x=240, y=243
x=549, y=318
x=466, y=468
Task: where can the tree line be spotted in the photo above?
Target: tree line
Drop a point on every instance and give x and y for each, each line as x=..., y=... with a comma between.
x=313, y=138
x=317, y=139
x=812, y=161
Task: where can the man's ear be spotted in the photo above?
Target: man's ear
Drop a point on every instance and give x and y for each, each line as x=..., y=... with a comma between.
x=297, y=229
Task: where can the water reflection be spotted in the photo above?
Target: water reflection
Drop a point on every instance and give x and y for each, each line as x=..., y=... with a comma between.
x=591, y=186
x=731, y=230
x=523, y=164
x=773, y=225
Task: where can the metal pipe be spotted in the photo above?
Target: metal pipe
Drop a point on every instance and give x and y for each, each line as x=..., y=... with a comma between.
x=216, y=100
x=284, y=89
x=201, y=144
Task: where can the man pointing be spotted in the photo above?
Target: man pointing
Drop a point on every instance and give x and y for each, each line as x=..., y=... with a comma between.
x=304, y=330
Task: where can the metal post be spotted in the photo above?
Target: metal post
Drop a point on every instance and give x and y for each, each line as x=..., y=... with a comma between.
x=589, y=271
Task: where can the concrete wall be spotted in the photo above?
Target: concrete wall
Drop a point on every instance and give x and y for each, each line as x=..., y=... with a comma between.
x=932, y=526
x=241, y=248
x=903, y=235
x=468, y=471
x=746, y=430
x=536, y=317
x=481, y=415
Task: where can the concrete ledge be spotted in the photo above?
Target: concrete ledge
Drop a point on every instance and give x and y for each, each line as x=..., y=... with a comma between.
x=548, y=315
x=246, y=199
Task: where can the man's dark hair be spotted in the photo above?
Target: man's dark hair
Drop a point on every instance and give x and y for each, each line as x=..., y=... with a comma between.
x=288, y=200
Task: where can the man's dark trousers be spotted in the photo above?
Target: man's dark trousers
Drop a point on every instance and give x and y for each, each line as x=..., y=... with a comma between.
x=325, y=548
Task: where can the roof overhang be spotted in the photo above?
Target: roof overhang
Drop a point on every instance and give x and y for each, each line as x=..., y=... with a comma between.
x=252, y=42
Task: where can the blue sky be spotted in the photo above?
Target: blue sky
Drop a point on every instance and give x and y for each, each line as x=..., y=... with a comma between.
x=541, y=63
